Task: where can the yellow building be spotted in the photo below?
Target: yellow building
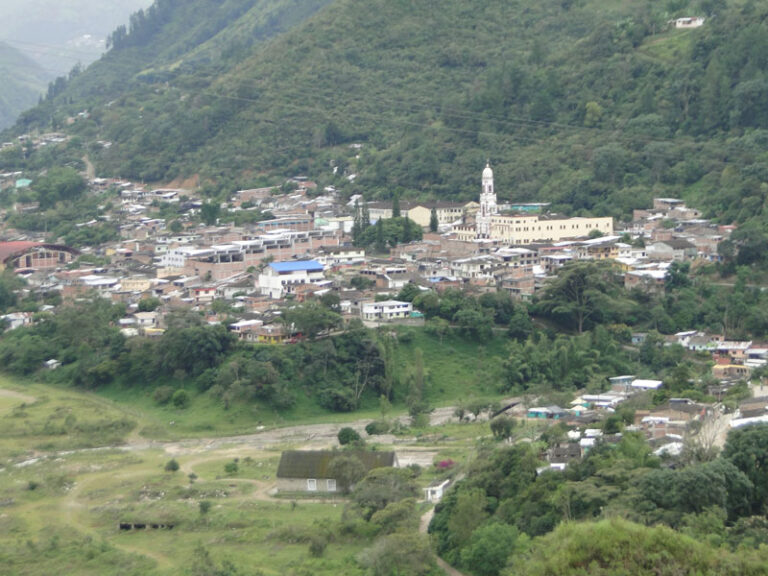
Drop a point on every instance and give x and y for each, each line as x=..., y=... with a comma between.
x=447, y=212
x=531, y=229
x=525, y=228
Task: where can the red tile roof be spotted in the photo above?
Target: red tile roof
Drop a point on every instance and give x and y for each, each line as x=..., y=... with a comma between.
x=8, y=249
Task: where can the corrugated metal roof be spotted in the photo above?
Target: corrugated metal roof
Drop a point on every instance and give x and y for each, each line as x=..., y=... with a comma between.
x=298, y=266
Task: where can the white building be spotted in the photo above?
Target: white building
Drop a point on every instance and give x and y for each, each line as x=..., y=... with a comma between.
x=488, y=205
x=281, y=278
x=177, y=257
x=332, y=256
x=386, y=311
x=435, y=491
x=640, y=384
x=519, y=229
x=690, y=22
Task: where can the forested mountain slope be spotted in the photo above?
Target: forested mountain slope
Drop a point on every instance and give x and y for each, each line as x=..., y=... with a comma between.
x=23, y=83
x=593, y=105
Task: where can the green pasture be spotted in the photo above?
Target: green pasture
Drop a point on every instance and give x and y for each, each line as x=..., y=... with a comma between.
x=455, y=368
x=67, y=510
x=38, y=417
x=74, y=465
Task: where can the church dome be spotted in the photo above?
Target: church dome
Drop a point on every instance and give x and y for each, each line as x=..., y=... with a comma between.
x=488, y=172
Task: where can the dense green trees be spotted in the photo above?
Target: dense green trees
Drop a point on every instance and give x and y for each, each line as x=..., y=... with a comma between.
x=619, y=547
x=59, y=185
x=338, y=372
x=747, y=449
x=311, y=318
x=389, y=233
x=502, y=494
x=586, y=293
x=565, y=362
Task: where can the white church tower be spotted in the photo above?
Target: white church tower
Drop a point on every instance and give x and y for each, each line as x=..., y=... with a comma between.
x=488, y=207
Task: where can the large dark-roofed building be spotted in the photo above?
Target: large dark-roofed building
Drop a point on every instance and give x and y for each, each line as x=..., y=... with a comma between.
x=309, y=471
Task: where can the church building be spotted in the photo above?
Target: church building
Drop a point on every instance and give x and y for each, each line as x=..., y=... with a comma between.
x=524, y=228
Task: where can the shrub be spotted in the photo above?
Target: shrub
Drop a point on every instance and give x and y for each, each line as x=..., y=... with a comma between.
x=317, y=545
x=180, y=399
x=171, y=465
x=415, y=468
x=502, y=426
x=231, y=468
x=162, y=394
x=377, y=427
x=347, y=436
x=205, y=507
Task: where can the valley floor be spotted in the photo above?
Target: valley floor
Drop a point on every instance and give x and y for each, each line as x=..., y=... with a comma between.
x=64, y=507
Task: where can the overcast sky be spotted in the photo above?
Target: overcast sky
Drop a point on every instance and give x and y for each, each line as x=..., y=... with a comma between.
x=61, y=33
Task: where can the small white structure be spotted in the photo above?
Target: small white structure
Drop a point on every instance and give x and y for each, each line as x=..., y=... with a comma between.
x=640, y=384
x=690, y=22
x=52, y=364
x=281, y=278
x=386, y=311
x=435, y=491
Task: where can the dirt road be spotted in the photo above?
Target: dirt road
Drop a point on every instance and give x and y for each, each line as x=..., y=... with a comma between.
x=444, y=566
x=308, y=435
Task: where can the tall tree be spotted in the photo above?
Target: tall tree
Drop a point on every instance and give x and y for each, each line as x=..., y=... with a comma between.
x=396, y=205
x=747, y=449
x=433, y=222
x=582, y=292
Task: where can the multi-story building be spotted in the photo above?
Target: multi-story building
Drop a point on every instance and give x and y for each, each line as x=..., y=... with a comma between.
x=525, y=228
x=281, y=278
x=386, y=311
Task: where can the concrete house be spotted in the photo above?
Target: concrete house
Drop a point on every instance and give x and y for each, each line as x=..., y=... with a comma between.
x=310, y=471
x=677, y=249
x=436, y=489
x=387, y=311
x=281, y=278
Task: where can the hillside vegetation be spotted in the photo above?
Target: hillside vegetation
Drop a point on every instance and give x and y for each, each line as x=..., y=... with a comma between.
x=595, y=106
x=23, y=83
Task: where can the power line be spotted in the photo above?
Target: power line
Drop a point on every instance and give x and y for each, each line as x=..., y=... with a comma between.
x=617, y=134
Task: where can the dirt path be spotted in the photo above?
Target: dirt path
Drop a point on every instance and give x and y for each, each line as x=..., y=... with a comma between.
x=12, y=394
x=72, y=508
x=308, y=435
x=90, y=170
x=426, y=518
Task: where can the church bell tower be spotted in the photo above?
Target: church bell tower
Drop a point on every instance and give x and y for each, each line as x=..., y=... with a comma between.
x=488, y=206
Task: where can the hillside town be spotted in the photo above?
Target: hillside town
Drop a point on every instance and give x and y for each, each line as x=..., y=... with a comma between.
x=246, y=276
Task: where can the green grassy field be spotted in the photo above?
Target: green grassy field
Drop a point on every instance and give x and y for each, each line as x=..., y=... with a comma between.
x=67, y=511
x=456, y=369
x=38, y=417
x=62, y=500
x=75, y=464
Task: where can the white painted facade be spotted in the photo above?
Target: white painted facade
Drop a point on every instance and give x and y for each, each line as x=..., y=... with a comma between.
x=488, y=205
x=277, y=283
x=386, y=311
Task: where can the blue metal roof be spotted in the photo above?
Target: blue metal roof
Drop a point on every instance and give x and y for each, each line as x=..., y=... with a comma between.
x=297, y=266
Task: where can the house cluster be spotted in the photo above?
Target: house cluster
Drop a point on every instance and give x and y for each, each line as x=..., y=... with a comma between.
x=255, y=267
x=664, y=426
x=734, y=360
